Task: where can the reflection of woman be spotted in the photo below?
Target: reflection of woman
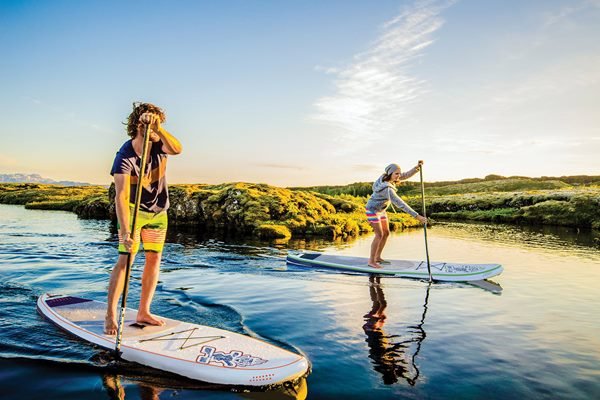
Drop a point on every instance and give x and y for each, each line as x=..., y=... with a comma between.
x=379, y=343
x=376, y=317
x=392, y=355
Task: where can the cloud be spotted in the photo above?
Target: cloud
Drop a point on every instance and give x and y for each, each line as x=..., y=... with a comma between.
x=491, y=145
x=568, y=10
x=546, y=110
x=366, y=167
x=327, y=70
x=572, y=74
x=279, y=166
x=373, y=93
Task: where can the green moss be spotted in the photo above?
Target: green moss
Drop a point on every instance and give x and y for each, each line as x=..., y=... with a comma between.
x=575, y=207
x=272, y=231
x=50, y=197
x=399, y=221
x=273, y=212
x=51, y=205
x=496, y=215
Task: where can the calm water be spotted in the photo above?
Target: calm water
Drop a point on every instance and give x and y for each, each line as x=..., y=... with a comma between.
x=537, y=338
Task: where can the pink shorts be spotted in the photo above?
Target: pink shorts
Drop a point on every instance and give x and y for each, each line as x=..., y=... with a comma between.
x=376, y=217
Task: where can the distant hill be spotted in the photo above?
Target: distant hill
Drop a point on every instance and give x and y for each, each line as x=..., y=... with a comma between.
x=37, y=178
x=491, y=183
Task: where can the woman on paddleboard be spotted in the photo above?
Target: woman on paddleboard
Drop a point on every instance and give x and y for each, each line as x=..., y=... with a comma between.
x=384, y=194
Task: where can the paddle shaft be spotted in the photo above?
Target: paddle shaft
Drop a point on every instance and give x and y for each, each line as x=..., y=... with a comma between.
x=130, y=256
x=425, y=224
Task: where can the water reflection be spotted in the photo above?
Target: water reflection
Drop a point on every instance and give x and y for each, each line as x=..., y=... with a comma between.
x=487, y=285
x=393, y=356
x=556, y=238
x=191, y=237
x=117, y=386
x=115, y=390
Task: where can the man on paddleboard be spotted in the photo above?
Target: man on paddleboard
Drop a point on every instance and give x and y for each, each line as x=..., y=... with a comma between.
x=151, y=225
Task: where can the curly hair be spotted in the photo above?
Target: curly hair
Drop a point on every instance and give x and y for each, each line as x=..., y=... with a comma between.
x=138, y=109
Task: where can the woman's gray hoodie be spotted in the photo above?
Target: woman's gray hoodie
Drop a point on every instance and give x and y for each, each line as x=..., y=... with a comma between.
x=385, y=192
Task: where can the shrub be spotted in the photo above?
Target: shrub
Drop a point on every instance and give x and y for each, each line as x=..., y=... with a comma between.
x=272, y=231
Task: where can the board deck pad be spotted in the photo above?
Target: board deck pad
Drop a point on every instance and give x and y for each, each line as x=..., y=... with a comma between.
x=441, y=271
x=195, y=351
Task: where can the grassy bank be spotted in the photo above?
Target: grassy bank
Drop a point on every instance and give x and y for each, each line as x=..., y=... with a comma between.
x=564, y=201
x=338, y=212
x=272, y=212
x=575, y=207
x=86, y=201
x=491, y=183
x=241, y=208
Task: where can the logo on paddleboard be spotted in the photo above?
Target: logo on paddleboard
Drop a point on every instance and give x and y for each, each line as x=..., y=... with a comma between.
x=233, y=359
x=458, y=268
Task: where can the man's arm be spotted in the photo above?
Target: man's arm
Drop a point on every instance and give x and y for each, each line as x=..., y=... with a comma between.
x=171, y=145
x=122, y=189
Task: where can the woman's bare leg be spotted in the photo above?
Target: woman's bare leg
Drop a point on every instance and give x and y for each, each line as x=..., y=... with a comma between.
x=375, y=245
x=385, y=233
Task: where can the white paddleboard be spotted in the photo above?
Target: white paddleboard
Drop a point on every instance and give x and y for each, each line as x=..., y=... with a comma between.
x=194, y=351
x=440, y=271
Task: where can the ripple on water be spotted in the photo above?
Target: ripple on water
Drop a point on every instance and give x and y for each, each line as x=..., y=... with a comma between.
x=536, y=338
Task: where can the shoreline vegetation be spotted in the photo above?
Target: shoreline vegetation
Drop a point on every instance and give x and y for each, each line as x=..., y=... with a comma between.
x=333, y=212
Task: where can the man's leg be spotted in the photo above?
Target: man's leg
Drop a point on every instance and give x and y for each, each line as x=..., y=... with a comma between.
x=153, y=236
x=117, y=279
x=149, y=282
x=115, y=288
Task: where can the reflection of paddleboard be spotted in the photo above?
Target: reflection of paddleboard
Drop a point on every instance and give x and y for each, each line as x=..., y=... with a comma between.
x=490, y=286
x=195, y=351
x=440, y=271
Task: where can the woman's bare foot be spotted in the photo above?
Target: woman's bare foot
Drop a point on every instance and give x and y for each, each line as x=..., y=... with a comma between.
x=149, y=319
x=110, y=325
x=375, y=265
x=378, y=324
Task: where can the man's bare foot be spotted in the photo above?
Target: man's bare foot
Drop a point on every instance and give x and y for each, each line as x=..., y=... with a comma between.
x=382, y=261
x=110, y=325
x=149, y=319
x=375, y=265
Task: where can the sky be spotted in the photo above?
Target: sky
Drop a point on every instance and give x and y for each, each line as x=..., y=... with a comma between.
x=302, y=93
